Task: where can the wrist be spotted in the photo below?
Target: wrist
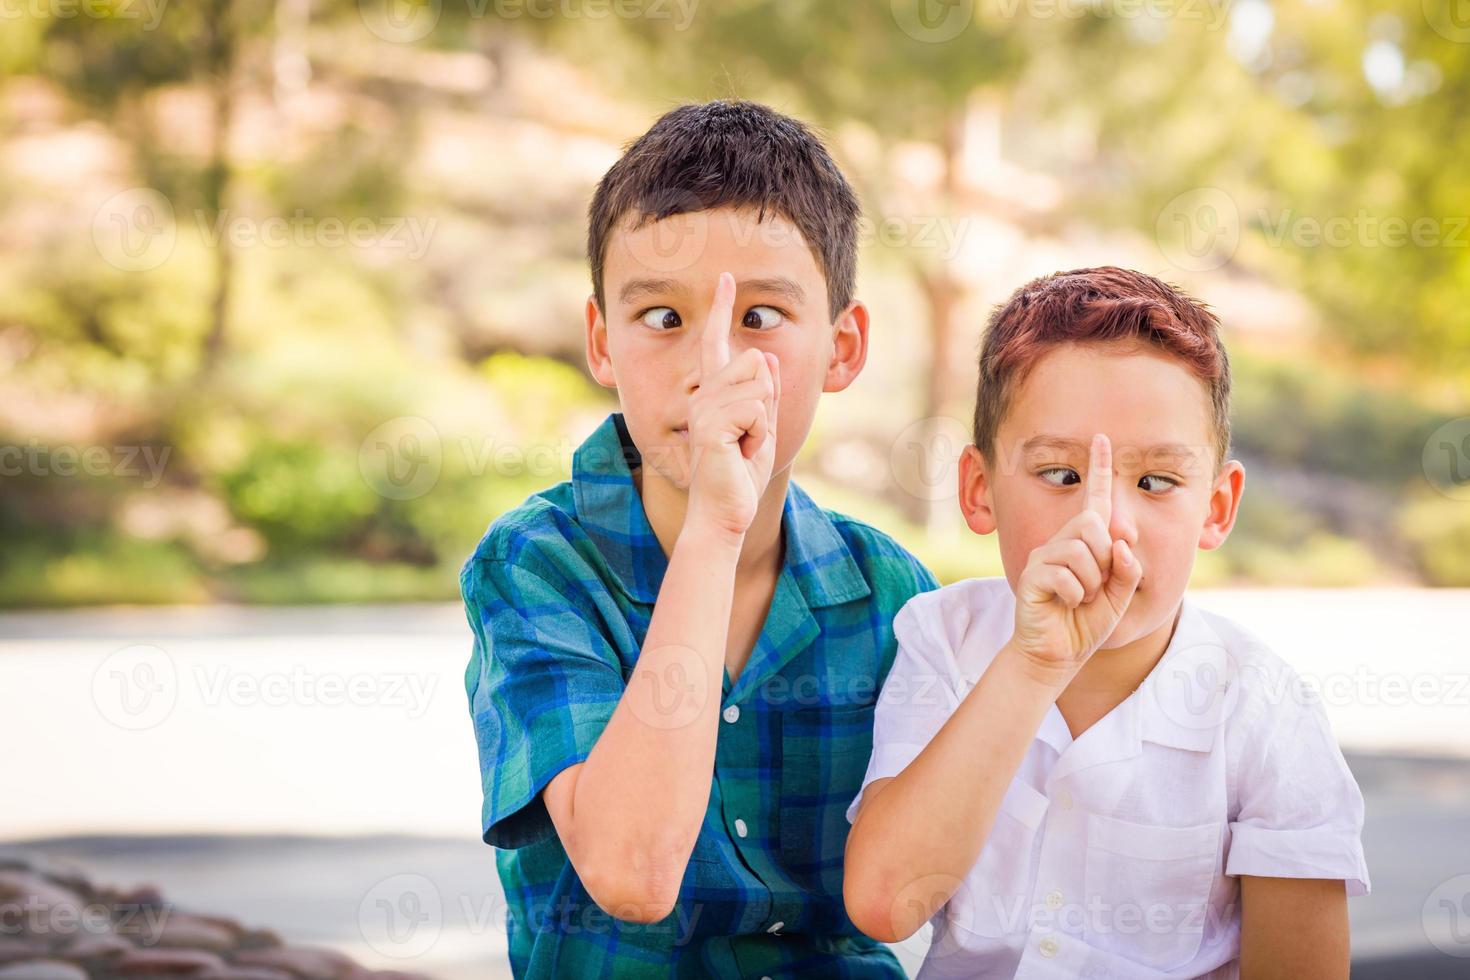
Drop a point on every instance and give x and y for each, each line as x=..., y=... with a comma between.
x=711, y=538
x=1036, y=677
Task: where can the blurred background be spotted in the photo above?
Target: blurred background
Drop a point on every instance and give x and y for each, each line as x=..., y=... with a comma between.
x=290, y=311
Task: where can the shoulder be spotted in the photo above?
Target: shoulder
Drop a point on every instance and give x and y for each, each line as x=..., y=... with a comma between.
x=1273, y=716
x=887, y=566
x=539, y=536
x=1260, y=681
x=965, y=622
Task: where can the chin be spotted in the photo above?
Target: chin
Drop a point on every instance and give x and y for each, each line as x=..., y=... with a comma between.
x=672, y=469
x=1130, y=628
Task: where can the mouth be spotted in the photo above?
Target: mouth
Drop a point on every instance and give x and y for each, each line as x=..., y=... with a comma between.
x=682, y=431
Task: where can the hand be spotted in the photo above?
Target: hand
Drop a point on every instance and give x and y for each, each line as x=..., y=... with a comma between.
x=732, y=423
x=1076, y=587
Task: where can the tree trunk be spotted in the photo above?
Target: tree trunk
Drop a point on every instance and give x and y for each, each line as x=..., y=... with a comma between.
x=942, y=294
x=219, y=56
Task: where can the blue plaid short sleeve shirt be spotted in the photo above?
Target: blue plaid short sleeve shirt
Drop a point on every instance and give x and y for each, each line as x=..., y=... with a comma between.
x=559, y=594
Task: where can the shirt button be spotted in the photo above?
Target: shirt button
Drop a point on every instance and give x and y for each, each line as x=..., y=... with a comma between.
x=776, y=927
x=1064, y=800
x=732, y=714
x=1049, y=947
x=740, y=830
x=1053, y=900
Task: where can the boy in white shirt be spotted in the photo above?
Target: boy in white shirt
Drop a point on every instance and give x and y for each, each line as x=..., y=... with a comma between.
x=1076, y=772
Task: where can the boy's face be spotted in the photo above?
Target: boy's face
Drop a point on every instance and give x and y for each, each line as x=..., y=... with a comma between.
x=659, y=281
x=1167, y=499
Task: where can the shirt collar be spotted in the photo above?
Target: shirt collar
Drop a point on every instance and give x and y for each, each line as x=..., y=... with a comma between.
x=1181, y=703
x=611, y=512
x=1188, y=694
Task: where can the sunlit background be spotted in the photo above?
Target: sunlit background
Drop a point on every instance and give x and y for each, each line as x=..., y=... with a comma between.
x=290, y=310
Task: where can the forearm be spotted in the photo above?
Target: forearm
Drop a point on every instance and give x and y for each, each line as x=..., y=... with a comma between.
x=914, y=842
x=641, y=795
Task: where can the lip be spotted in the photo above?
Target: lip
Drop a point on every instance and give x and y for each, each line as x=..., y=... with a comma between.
x=682, y=430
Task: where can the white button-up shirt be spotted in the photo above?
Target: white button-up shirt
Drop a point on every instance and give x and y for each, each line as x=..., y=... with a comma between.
x=1116, y=854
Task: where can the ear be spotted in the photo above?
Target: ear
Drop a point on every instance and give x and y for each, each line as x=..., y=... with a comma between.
x=599, y=361
x=849, y=347
x=1224, y=505
x=975, y=502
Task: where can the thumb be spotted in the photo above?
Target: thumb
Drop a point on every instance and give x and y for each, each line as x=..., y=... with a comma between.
x=1126, y=574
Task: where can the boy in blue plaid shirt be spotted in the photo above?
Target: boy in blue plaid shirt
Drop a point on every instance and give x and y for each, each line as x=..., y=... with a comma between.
x=677, y=652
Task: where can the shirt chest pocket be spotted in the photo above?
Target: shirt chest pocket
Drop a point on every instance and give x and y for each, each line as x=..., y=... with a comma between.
x=1148, y=888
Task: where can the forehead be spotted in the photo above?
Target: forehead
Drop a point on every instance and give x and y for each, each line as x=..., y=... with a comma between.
x=690, y=250
x=1138, y=395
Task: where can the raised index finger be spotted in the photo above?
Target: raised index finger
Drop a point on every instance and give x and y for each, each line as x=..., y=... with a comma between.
x=1100, y=478
x=714, y=347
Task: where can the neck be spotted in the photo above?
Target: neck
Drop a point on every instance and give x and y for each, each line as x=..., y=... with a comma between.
x=666, y=506
x=1115, y=673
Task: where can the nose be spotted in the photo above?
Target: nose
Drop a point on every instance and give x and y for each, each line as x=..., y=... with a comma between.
x=1123, y=525
x=690, y=350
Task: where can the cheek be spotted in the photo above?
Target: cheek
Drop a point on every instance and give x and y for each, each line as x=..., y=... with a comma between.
x=1167, y=561
x=801, y=377
x=1024, y=524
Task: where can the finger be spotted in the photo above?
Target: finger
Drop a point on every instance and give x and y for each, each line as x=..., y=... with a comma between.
x=750, y=415
x=746, y=365
x=1073, y=554
x=753, y=390
x=1127, y=573
x=1100, y=478
x=1088, y=527
x=1064, y=585
x=714, y=347
x=1043, y=582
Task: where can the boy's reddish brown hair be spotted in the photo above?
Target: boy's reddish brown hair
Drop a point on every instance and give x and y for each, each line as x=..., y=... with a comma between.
x=1097, y=306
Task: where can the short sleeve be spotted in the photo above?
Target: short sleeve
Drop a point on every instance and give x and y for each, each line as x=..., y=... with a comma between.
x=542, y=684
x=918, y=696
x=1300, y=810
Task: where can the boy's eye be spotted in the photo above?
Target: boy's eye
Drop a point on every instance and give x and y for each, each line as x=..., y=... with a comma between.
x=762, y=318
x=1060, y=476
x=1161, y=485
x=661, y=318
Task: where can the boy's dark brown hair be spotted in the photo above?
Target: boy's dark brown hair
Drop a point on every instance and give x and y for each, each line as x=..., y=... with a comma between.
x=1097, y=306
x=732, y=154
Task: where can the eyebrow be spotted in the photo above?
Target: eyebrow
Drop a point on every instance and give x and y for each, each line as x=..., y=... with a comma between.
x=634, y=288
x=788, y=289
x=1168, y=450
